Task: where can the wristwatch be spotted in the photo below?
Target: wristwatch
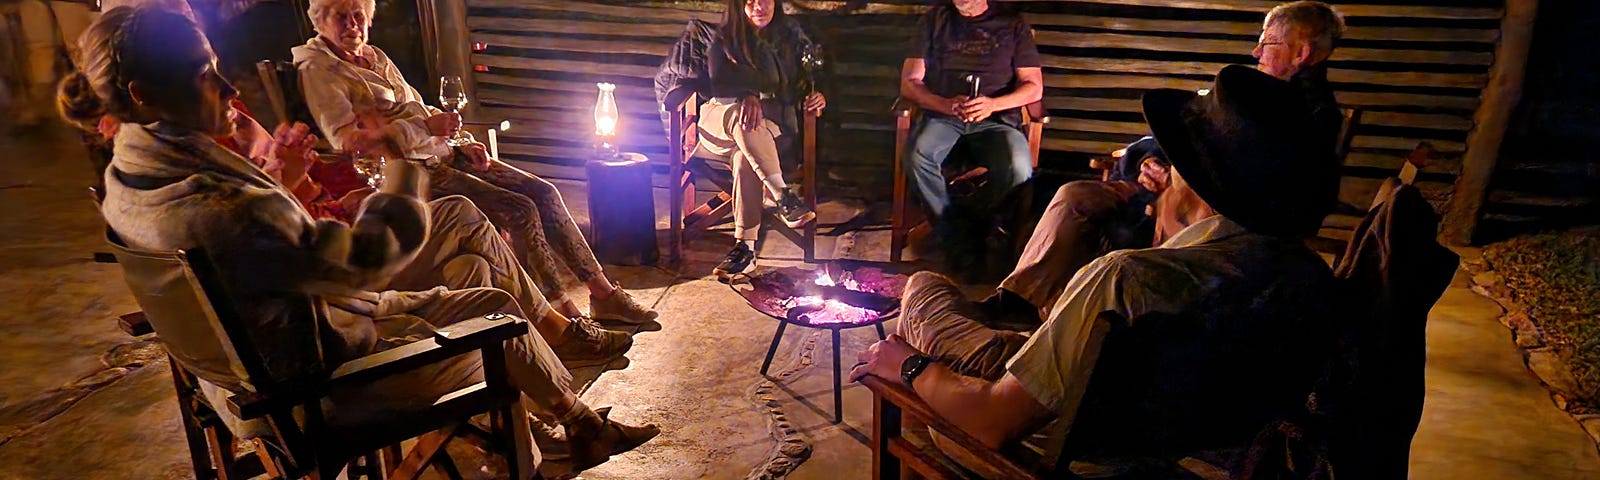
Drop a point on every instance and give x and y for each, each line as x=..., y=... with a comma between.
x=913, y=366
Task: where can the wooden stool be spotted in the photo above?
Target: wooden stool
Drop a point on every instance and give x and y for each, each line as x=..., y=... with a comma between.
x=622, y=213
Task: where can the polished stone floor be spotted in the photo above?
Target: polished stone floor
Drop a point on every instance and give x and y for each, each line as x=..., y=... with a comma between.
x=78, y=399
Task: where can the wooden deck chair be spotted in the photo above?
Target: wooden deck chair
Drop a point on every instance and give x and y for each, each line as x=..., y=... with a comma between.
x=1139, y=412
x=689, y=218
x=902, y=219
x=1401, y=271
x=190, y=312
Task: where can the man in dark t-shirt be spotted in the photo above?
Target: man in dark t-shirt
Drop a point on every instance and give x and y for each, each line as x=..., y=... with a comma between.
x=962, y=46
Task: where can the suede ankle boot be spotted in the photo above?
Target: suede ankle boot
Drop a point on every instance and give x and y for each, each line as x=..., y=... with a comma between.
x=594, y=437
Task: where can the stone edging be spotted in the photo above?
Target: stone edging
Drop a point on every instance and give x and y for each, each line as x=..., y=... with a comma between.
x=791, y=447
x=1539, y=357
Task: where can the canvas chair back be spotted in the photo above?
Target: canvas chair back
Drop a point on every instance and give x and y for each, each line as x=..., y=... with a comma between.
x=281, y=82
x=1177, y=383
x=187, y=308
x=1392, y=273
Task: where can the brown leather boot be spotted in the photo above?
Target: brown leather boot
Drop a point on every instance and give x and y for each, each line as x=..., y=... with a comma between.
x=594, y=437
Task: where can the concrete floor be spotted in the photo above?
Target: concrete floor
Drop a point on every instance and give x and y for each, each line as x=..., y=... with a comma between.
x=78, y=399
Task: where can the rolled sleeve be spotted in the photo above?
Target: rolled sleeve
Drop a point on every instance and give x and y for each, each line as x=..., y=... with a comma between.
x=1055, y=364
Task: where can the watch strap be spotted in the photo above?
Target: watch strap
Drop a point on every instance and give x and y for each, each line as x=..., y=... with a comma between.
x=912, y=367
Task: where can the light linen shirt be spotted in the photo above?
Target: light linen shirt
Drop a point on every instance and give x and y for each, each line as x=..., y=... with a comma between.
x=344, y=96
x=1208, y=257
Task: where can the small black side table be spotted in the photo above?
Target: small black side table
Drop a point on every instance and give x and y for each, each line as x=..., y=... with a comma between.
x=622, y=212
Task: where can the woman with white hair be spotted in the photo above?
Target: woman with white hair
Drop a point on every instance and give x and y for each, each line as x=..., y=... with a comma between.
x=362, y=103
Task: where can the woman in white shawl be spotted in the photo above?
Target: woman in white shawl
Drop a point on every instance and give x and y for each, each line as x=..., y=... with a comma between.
x=170, y=186
x=361, y=102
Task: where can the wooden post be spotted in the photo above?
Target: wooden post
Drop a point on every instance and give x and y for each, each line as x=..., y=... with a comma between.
x=1490, y=123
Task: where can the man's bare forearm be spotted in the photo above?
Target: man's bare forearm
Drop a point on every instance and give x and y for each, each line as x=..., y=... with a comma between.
x=992, y=412
x=918, y=93
x=1030, y=88
x=913, y=88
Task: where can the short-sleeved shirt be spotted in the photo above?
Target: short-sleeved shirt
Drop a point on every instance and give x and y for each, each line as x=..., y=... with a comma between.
x=991, y=46
x=1212, y=266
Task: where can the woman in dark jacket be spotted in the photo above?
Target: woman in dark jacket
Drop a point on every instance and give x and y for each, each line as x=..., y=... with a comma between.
x=754, y=65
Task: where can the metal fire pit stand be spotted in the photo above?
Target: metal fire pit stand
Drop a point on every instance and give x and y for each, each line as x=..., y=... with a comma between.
x=795, y=317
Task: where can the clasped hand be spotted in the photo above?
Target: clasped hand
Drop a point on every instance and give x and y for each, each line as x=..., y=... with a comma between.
x=292, y=153
x=972, y=109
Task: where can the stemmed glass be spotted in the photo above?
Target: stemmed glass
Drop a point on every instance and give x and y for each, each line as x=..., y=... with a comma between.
x=452, y=98
x=811, y=60
x=370, y=166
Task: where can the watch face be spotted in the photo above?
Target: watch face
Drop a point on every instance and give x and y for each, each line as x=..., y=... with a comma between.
x=911, y=367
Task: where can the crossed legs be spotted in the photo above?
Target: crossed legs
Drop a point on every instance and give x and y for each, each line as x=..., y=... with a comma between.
x=544, y=237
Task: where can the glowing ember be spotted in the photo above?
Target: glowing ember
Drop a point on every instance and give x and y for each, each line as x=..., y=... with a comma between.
x=826, y=299
x=831, y=311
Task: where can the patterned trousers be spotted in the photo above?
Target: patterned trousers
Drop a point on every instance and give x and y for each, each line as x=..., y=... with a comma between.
x=543, y=233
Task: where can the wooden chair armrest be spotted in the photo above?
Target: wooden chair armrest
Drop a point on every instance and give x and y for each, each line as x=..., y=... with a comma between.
x=489, y=331
x=1414, y=162
x=990, y=463
x=135, y=324
x=904, y=107
x=1035, y=113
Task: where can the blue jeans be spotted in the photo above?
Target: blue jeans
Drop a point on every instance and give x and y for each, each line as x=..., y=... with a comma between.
x=1000, y=147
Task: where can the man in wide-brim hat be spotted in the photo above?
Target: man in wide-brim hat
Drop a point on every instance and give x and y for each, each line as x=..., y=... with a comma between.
x=1087, y=218
x=1250, y=180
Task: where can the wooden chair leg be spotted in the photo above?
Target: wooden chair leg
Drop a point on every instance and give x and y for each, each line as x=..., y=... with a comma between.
x=422, y=454
x=808, y=180
x=885, y=427
x=897, y=209
x=269, y=462
x=522, y=457
x=203, y=453
x=675, y=198
x=220, y=441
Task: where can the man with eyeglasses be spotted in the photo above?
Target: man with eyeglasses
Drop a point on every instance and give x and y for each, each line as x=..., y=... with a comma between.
x=1296, y=40
x=1087, y=219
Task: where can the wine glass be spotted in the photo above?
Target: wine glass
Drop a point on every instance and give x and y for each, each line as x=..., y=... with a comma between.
x=370, y=166
x=811, y=60
x=452, y=98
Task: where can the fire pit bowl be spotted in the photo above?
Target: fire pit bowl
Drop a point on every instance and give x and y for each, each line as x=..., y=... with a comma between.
x=835, y=297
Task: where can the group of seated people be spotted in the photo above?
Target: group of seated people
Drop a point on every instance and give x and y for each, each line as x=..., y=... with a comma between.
x=971, y=69
x=1222, y=190
x=1203, y=220
x=448, y=235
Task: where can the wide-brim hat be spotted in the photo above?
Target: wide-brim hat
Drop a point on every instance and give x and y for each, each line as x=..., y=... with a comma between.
x=1250, y=149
